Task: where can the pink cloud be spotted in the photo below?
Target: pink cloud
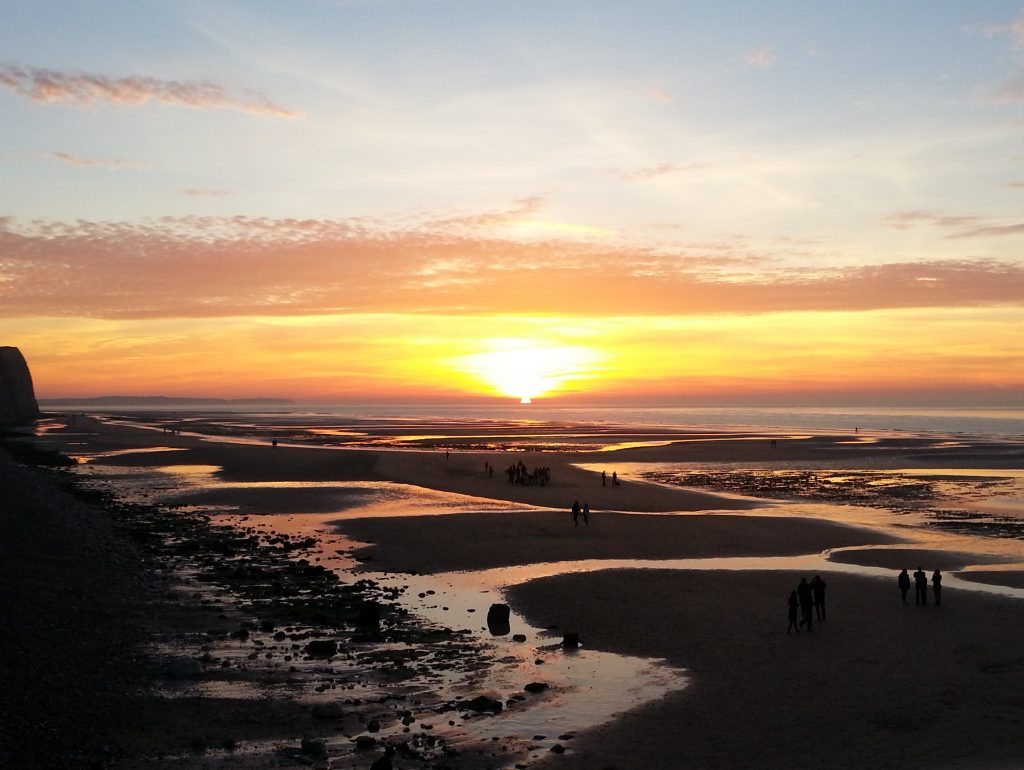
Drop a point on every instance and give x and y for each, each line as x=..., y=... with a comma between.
x=763, y=57
x=210, y=267
x=82, y=89
x=903, y=220
x=112, y=163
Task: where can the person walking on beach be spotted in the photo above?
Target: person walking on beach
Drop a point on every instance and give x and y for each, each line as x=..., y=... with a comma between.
x=904, y=583
x=576, y=513
x=793, y=604
x=920, y=587
x=818, y=592
x=937, y=588
x=615, y=478
x=586, y=515
x=803, y=593
x=604, y=478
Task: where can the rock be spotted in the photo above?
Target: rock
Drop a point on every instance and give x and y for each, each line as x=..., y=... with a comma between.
x=373, y=726
x=369, y=616
x=183, y=668
x=384, y=762
x=364, y=742
x=328, y=711
x=280, y=636
x=322, y=648
x=17, y=397
x=571, y=641
x=242, y=634
x=558, y=748
x=314, y=747
x=482, y=703
x=267, y=625
x=536, y=687
x=518, y=637
x=498, y=619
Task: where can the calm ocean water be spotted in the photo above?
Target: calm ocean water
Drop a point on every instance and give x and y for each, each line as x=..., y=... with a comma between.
x=994, y=421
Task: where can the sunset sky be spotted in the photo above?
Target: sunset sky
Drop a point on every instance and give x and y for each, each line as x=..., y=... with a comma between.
x=430, y=200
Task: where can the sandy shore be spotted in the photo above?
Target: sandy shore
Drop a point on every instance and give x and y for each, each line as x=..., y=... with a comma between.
x=877, y=684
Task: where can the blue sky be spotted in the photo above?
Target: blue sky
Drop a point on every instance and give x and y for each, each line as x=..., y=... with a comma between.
x=739, y=145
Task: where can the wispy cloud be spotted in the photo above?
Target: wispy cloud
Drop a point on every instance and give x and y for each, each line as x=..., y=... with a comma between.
x=82, y=89
x=233, y=266
x=991, y=231
x=659, y=170
x=108, y=163
x=206, y=192
x=763, y=57
x=904, y=220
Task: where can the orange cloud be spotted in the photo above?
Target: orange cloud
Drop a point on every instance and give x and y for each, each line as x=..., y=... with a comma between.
x=82, y=89
x=216, y=267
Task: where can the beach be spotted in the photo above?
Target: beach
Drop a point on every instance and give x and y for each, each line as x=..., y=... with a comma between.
x=694, y=581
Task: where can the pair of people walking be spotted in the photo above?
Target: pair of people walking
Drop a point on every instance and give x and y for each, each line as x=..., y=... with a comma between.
x=921, y=586
x=809, y=598
x=577, y=512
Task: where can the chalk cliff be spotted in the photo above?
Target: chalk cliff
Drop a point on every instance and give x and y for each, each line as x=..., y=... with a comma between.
x=17, y=398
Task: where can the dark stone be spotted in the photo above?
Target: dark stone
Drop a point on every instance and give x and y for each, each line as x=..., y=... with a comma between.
x=518, y=637
x=497, y=619
x=17, y=397
x=536, y=687
x=364, y=742
x=314, y=747
x=328, y=711
x=558, y=748
x=373, y=726
x=242, y=633
x=571, y=641
x=482, y=703
x=183, y=668
x=322, y=648
x=369, y=616
x=267, y=625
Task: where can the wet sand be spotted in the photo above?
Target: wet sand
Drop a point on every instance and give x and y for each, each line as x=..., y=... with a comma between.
x=878, y=683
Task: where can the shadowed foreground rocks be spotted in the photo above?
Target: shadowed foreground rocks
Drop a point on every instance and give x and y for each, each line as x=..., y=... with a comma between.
x=17, y=396
x=69, y=660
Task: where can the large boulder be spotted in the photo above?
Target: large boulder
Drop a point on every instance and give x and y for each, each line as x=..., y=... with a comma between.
x=17, y=397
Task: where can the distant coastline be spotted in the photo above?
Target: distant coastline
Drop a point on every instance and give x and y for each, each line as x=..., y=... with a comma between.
x=160, y=401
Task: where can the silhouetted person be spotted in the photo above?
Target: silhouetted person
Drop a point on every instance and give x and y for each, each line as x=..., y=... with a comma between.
x=818, y=592
x=446, y=453
x=604, y=478
x=920, y=587
x=937, y=587
x=793, y=604
x=615, y=478
x=274, y=442
x=904, y=583
x=586, y=514
x=576, y=513
x=803, y=593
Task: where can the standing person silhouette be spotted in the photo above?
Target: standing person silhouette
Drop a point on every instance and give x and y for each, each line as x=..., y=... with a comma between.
x=576, y=513
x=803, y=593
x=604, y=478
x=937, y=587
x=586, y=514
x=793, y=604
x=920, y=587
x=904, y=583
x=818, y=592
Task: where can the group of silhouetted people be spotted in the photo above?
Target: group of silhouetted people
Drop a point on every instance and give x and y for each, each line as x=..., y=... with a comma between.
x=578, y=513
x=520, y=474
x=920, y=586
x=604, y=478
x=809, y=600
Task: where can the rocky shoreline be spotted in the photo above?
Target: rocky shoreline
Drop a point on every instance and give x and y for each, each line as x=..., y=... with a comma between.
x=145, y=637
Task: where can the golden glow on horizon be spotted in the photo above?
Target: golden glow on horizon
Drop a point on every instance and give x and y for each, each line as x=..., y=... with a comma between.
x=382, y=357
x=526, y=369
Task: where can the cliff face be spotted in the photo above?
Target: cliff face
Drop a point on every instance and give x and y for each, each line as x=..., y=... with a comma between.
x=17, y=398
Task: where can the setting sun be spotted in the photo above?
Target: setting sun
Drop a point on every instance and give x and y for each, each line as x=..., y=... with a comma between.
x=525, y=369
